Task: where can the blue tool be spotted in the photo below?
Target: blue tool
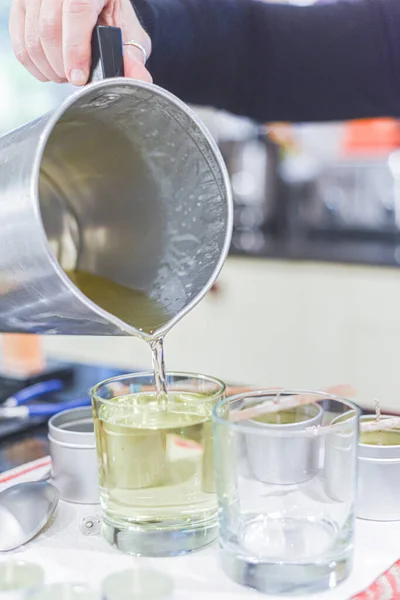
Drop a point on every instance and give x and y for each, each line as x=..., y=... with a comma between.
x=34, y=391
x=16, y=406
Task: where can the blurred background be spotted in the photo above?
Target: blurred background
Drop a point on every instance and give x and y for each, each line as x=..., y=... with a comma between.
x=309, y=296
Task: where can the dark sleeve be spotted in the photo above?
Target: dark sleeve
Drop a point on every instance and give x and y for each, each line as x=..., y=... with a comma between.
x=334, y=60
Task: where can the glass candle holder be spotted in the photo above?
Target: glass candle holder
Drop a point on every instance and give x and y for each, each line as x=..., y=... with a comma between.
x=279, y=455
x=138, y=584
x=156, y=462
x=17, y=577
x=65, y=591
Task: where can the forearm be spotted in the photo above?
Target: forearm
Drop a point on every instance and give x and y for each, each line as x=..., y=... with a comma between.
x=272, y=62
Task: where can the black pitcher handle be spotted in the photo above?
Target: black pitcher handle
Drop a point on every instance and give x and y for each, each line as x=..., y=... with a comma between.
x=107, y=54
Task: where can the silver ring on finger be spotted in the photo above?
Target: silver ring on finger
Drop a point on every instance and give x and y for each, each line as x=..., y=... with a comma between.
x=139, y=47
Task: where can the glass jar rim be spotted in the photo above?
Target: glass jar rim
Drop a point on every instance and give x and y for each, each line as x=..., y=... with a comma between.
x=246, y=426
x=220, y=385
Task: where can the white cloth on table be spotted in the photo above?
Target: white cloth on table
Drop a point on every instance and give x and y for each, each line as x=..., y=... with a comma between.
x=68, y=555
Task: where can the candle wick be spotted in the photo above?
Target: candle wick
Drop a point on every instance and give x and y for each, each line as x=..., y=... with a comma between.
x=377, y=419
x=276, y=401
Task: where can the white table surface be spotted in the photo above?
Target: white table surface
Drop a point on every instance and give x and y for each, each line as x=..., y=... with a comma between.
x=68, y=555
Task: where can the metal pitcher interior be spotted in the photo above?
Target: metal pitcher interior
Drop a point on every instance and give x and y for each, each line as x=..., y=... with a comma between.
x=123, y=182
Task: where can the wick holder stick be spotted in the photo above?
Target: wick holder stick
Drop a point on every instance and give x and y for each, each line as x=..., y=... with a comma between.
x=286, y=403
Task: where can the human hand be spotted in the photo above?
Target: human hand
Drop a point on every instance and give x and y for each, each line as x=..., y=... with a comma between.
x=52, y=38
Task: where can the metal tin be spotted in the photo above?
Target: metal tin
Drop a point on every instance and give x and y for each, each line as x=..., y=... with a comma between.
x=378, y=480
x=285, y=460
x=73, y=455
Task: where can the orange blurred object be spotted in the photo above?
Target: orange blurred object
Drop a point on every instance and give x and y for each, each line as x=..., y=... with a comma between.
x=22, y=354
x=283, y=135
x=371, y=136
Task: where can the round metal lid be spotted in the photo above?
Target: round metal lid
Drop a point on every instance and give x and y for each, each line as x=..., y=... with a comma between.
x=74, y=426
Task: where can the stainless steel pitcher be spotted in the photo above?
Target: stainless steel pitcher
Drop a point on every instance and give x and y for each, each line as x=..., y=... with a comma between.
x=122, y=181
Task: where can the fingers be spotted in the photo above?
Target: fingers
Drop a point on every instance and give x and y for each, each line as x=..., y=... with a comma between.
x=134, y=66
x=33, y=43
x=52, y=38
x=50, y=32
x=132, y=30
x=79, y=18
x=17, y=35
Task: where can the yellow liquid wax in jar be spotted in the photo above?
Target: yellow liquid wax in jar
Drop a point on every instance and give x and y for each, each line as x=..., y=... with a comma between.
x=156, y=465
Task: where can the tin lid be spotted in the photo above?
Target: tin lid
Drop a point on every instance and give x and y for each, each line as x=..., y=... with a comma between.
x=74, y=426
x=390, y=449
